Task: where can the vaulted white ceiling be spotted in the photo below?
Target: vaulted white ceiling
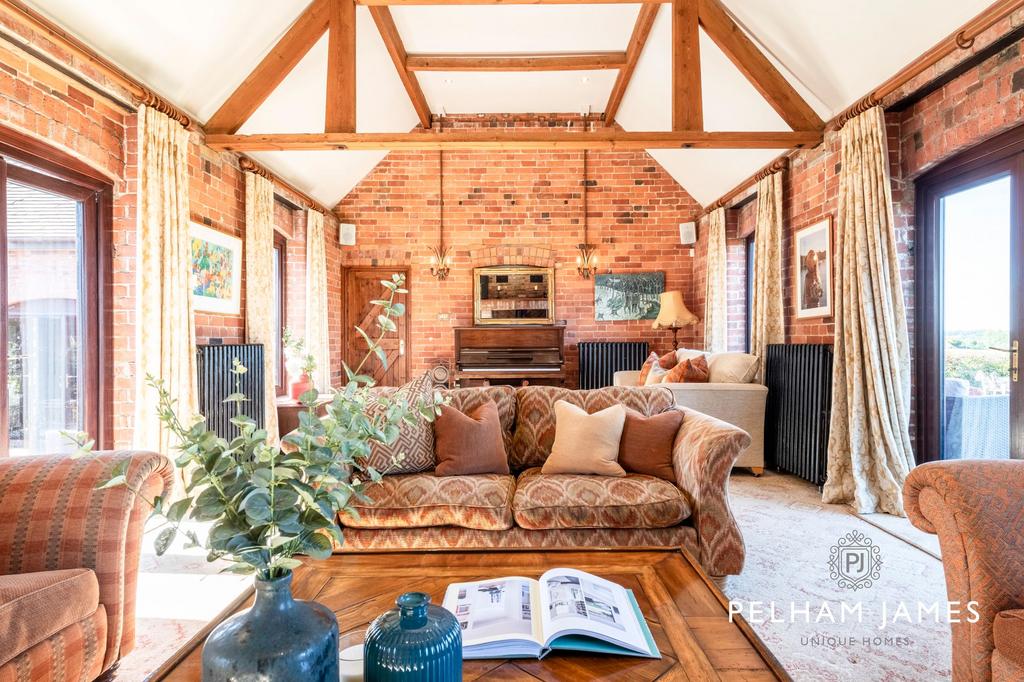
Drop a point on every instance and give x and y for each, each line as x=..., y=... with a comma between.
x=196, y=52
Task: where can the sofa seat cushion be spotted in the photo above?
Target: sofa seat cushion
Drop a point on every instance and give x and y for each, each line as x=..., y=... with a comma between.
x=1008, y=633
x=34, y=606
x=482, y=501
x=547, y=501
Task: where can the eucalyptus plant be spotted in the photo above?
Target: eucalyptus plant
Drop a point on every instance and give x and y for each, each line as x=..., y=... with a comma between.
x=267, y=502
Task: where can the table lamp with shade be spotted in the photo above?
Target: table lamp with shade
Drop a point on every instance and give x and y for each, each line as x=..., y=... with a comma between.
x=674, y=315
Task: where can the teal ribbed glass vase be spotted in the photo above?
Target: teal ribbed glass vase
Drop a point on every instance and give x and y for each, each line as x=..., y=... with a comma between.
x=415, y=641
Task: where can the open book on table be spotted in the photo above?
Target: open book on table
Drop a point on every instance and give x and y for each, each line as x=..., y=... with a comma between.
x=566, y=609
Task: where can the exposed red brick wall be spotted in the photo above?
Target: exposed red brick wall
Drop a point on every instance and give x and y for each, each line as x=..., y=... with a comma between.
x=739, y=224
x=520, y=199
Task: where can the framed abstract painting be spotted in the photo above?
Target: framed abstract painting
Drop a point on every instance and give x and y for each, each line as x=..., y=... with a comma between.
x=216, y=260
x=813, y=274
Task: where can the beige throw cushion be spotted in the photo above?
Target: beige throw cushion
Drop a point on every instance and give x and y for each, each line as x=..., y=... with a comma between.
x=586, y=443
x=732, y=368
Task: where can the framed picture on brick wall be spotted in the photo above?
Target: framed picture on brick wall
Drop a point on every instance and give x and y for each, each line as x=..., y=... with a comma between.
x=216, y=260
x=813, y=271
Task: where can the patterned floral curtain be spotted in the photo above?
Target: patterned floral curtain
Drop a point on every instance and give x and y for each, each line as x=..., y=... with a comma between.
x=259, y=275
x=869, y=449
x=716, y=328
x=768, y=322
x=317, y=337
x=164, y=328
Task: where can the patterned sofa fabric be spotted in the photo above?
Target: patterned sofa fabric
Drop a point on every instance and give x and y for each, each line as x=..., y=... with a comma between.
x=576, y=501
x=535, y=414
x=482, y=502
x=53, y=517
x=466, y=400
x=450, y=537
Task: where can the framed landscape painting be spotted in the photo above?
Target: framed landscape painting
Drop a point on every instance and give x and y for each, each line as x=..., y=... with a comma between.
x=216, y=270
x=813, y=284
x=633, y=296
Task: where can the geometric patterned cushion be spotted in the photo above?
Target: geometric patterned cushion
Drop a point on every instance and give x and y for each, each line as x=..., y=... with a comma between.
x=535, y=414
x=482, y=501
x=413, y=450
x=465, y=400
x=545, y=501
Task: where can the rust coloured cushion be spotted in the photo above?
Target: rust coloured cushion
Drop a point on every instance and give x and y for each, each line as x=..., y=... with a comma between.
x=1008, y=633
x=469, y=443
x=544, y=501
x=466, y=400
x=692, y=371
x=646, y=445
x=422, y=500
x=34, y=606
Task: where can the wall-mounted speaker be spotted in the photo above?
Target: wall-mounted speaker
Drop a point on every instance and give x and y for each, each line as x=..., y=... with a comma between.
x=347, y=234
x=687, y=234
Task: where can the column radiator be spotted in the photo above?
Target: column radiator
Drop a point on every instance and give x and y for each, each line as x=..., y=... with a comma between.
x=600, y=360
x=799, y=406
x=216, y=382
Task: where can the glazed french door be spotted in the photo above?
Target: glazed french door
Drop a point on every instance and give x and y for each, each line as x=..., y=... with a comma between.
x=971, y=304
x=49, y=302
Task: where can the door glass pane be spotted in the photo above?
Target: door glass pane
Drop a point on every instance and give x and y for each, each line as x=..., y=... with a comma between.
x=976, y=288
x=44, y=324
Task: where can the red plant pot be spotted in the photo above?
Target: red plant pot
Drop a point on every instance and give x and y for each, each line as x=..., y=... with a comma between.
x=301, y=386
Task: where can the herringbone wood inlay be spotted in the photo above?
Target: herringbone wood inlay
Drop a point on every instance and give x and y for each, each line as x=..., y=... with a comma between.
x=685, y=611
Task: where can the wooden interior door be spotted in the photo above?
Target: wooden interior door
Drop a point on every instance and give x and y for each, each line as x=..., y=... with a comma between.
x=363, y=285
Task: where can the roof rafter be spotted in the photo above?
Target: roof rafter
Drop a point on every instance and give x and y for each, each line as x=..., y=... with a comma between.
x=687, y=102
x=524, y=138
x=641, y=31
x=584, y=61
x=271, y=70
x=393, y=42
x=340, y=116
x=756, y=67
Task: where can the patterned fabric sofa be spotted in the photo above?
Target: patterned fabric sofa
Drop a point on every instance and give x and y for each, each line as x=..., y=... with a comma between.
x=975, y=508
x=529, y=510
x=69, y=559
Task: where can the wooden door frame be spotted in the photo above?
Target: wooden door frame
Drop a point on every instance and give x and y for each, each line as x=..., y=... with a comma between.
x=70, y=177
x=1001, y=154
x=385, y=272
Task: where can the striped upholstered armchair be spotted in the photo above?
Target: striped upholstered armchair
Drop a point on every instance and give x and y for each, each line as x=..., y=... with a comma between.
x=69, y=562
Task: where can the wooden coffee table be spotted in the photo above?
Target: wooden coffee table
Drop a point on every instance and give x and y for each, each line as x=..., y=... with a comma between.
x=686, y=612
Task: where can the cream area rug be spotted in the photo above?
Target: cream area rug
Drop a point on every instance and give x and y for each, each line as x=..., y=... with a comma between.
x=789, y=535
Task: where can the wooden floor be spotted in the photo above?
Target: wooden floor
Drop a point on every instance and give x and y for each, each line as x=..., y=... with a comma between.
x=685, y=611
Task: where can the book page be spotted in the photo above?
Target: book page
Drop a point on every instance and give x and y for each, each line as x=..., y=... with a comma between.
x=575, y=602
x=495, y=610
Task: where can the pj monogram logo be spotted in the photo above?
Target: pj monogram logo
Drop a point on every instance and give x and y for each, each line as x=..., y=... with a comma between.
x=854, y=561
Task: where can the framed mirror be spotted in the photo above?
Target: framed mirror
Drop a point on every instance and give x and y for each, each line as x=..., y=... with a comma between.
x=516, y=294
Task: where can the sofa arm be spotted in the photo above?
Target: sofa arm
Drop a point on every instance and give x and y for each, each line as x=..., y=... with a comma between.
x=628, y=377
x=53, y=517
x=974, y=507
x=703, y=455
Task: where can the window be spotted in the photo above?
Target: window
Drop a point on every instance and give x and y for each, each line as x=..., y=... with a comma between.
x=280, y=285
x=49, y=302
x=749, y=293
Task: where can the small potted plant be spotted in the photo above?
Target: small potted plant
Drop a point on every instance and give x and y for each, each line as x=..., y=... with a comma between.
x=298, y=363
x=270, y=503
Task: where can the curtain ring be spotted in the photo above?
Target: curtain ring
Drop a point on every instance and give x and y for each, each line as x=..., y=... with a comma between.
x=963, y=42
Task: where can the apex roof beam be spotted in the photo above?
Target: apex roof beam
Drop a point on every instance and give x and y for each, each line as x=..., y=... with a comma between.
x=541, y=138
x=271, y=70
x=756, y=67
x=341, y=67
x=641, y=31
x=687, y=103
x=393, y=42
x=588, y=61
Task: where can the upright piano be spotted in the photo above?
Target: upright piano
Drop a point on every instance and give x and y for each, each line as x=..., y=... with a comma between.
x=515, y=355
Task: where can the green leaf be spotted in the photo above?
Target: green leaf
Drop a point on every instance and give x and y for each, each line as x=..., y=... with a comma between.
x=390, y=286
x=398, y=309
x=386, y=323
x=112, y=482
x=262, y=478
x=164, y=540
x=256, y=506
x=309, y=397
x=381, y=355
x=318, y=546
x=177, y=510
x=236, y=398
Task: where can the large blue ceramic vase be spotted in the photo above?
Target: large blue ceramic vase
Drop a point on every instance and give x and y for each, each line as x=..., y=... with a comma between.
x=278, y=640
x=415, y=642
